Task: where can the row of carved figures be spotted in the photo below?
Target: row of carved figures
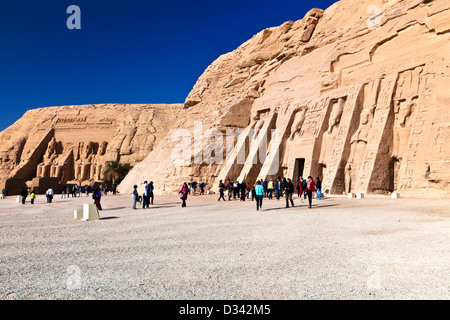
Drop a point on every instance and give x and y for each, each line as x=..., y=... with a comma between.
x=79, y=164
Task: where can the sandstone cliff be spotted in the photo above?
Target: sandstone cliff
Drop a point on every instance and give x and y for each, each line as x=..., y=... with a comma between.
x=356, y=94
x=71, y=144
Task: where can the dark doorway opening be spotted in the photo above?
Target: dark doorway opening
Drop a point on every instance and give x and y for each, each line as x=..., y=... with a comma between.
x=298, y=168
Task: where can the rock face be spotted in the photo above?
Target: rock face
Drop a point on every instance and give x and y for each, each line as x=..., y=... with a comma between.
x=356, y=94
x=59, y=145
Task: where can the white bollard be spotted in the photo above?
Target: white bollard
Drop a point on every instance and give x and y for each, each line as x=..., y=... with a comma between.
x=360, y=195
x=90, y=212
x=78, y=214
x=395, y=195
x=351, y=195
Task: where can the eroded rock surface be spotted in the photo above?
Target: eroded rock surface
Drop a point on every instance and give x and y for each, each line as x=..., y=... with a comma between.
x=358, y=95
x=72, y=144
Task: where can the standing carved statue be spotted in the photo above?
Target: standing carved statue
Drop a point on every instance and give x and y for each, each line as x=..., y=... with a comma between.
x=300, y=115
x=330, y=135
x=404, y=105
x=348, y=178
x=359, y=140
x=259, y=123
x=407, y=94
x=358, y=143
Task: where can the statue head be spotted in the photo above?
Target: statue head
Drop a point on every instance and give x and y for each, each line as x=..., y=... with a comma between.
x=51, y=147
x=336, y=113
x=404, y=109
x=365, y=116
x=102, y=148
x=88, y=149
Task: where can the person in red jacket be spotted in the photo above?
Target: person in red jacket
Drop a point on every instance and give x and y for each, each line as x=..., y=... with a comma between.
x=300, y=188
x=310, y=188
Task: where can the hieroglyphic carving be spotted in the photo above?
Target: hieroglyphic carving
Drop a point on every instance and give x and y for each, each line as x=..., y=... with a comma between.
x=404, y=105
x=418, y=97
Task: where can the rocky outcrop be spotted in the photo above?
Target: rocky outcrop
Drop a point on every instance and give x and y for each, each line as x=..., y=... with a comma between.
x=72, y=144
x=356, y=94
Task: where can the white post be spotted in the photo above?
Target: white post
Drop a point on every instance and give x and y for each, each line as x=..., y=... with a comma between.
x=90, y=212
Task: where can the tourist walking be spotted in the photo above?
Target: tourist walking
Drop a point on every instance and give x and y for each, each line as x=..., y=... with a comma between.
x=247, y=190
x=242, y=187
x=24, y=195
x=288, y=191
x=300, y=187
x=278, y=188
x=49, y=194
x=145, y=196
x=235, y=189
x=230, y=190
x=270, y=187
x=150, y=192
x=310, y=187
x=265, y=186
x=202, y=188
x=259, y=193
x=319, y=188
x=3, y=193
x=221, y=186
x=183, y=194
x=194, y=187
x=97, y=196
x=135, y=196
x=32, y=197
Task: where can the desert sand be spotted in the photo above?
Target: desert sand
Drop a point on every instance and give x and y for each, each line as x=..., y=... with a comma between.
x=371, y=248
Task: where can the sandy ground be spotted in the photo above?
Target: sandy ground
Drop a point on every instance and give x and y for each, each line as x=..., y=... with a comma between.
x=371, y=248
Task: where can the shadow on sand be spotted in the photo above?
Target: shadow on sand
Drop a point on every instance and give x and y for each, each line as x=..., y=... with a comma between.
x=301, y=206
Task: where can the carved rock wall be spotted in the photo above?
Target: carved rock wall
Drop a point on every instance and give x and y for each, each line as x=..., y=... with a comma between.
x=73, y=143
x=356, y=98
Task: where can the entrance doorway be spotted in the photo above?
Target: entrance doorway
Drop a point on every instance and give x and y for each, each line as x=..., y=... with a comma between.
x=298, y=169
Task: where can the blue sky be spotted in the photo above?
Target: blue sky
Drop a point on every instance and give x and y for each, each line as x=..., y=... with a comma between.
x=126, y=51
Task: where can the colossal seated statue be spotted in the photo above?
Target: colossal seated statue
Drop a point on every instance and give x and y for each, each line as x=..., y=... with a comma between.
x=43, y=169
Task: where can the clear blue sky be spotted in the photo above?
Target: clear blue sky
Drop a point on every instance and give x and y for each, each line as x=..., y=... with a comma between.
x=126, y=51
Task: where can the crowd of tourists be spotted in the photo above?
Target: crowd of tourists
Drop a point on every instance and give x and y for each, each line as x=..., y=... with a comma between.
x=147, y=196
x=228, y=191
x=74, y=191
x=267, y=188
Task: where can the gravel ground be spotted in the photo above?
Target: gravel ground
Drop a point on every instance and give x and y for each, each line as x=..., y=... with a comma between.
x=371, y=248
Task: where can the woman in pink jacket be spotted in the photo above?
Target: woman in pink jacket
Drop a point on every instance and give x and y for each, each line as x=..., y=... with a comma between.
x=310, y=188
x=183, y=194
